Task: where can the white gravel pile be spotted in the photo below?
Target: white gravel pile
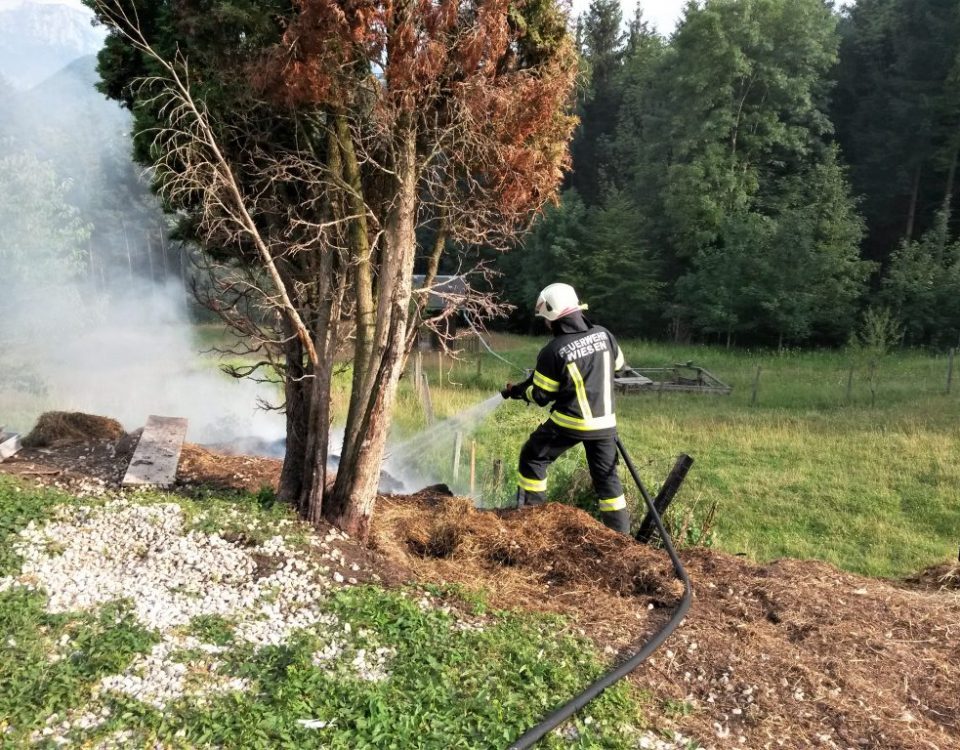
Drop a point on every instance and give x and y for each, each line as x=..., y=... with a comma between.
x=369, y=662
x=87, y=557
x=650, y=741
x=157, y=678
x=645, y=740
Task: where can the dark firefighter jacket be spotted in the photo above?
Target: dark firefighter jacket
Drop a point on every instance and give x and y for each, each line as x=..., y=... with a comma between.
x=575, y=371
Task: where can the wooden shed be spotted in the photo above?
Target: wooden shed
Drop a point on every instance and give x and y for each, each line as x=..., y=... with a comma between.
x=443, y=294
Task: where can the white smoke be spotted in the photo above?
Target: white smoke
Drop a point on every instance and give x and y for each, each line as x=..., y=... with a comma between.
x=125, y=356
x=93, y=313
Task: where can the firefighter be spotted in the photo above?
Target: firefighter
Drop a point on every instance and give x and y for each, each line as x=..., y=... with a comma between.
x=575, y=373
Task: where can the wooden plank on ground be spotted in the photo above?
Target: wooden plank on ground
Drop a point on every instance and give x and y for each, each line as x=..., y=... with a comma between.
x=154, y=462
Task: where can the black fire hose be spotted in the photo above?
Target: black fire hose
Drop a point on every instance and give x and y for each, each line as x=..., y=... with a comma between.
x=575, y=704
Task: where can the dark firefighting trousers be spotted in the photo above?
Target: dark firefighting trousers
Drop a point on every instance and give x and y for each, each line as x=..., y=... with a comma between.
x=546, y=444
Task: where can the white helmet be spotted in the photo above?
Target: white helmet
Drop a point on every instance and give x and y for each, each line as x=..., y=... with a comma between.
x=557, y=300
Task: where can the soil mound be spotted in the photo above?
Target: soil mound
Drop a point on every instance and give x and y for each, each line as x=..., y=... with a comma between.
x=200, y=467
x=55, y=428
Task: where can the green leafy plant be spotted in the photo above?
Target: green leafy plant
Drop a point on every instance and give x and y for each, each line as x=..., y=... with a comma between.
x=212, y=629
x=879, y=332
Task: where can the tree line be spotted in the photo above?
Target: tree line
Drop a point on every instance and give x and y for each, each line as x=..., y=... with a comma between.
x=771, y=174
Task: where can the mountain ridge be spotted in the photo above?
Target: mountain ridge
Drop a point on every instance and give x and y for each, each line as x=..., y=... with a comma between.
x=37, y=40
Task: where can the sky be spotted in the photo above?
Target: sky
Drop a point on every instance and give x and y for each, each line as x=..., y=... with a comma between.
x=8, y=4
x=660, y=13
x=663, y=14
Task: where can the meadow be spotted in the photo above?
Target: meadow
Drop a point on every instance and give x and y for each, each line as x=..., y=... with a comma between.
x=843, y=456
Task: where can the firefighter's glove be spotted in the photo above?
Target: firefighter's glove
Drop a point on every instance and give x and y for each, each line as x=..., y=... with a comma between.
x=513, y=391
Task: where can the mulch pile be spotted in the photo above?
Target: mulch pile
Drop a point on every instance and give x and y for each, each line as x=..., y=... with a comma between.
x=793, y=654
x=200, y=467
x=552, y=558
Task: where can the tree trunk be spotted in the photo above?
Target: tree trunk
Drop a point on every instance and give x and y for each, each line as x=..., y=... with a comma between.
x=304, y=475
x=297, y=408
x=163, y=252
x=952, y=174
x=93, y=264
x=325, y=266
x=355, y=491
x=153, y=277
x=420, y=304
x=318, y=443
x=362, y=274
x=126, y=242
x=912, y=211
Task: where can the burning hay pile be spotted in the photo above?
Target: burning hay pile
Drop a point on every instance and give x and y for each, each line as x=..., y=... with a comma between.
x=89, y=454
x=56, y=428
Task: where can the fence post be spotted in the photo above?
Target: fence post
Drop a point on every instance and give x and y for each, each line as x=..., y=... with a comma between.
x=479, y=364
x=418, y=376
x=850, y=385
x=756, y=386
x=873, y=382
x=953, y=353
x=473, y=466
x=427, y=400
x=497, y=473
x=457, y=445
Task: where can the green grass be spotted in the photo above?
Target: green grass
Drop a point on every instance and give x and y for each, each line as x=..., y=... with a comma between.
x=50, y=664
x=21, y=505
x=447, y=688
x=867, y=484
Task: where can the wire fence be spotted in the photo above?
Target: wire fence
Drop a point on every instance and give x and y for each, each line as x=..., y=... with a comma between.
x=480, y=459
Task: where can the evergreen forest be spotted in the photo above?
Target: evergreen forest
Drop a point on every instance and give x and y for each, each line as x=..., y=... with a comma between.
x=776, y=173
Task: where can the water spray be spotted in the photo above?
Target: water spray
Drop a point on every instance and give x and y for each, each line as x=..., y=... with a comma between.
x=407, y=457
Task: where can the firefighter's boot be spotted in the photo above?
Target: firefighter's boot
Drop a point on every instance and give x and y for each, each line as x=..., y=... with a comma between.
x=527, y=498
x=618, y=520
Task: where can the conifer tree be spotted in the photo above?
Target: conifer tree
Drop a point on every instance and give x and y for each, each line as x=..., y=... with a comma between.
x=603, y=41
